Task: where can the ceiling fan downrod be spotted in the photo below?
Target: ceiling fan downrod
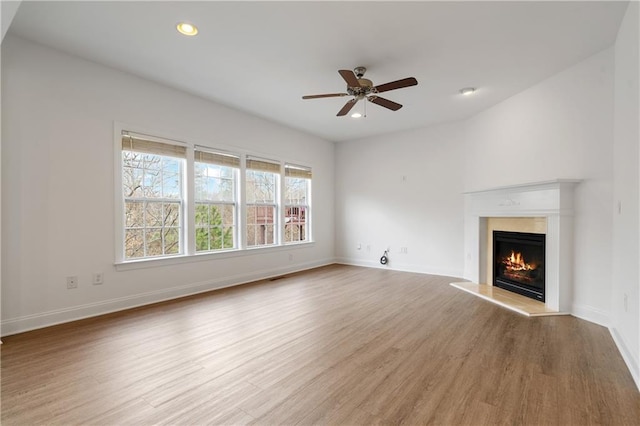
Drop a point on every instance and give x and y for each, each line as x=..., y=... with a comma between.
x=359, y=72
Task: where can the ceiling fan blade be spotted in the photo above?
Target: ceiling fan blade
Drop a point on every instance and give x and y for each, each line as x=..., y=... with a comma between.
x=326, y=95
x=350, y=78
x=393, y=106
x=347, y=107
x=398, y=84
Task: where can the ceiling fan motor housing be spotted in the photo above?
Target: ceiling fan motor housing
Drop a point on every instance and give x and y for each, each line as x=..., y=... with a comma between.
x=366, y=87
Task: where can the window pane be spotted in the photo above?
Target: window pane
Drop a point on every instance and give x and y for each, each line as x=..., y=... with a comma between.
x=228, y=214
x=251, y=215
x=227, y=189
x=132, y=182
x=215, y=238
x=261, y=187
x=260, y=225
x=153, y=242
x=152, y=162
x=295, y=228
x=131, y=159
x=172, y=214
x=202, y=214
x=251, y=235
x=200, y=181
x=269, y=234
x=227, y=172
x=228, y=233
x=134, y=214
x=171, y=165
x=214, y=183
x=153, y=211
x=260, y=214
x=214, y=216
x=171, y=241
x=211, y=232
x=296, y=190
x=202, y=239
x=134, y=244
x=171, y=185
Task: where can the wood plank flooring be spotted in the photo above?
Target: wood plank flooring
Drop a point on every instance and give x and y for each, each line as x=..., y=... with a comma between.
x=335, y=345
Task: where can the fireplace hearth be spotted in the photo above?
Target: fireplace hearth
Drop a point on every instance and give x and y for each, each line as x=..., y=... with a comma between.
x=519, y=263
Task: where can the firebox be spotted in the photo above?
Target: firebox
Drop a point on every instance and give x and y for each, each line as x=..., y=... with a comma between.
x=518, y=263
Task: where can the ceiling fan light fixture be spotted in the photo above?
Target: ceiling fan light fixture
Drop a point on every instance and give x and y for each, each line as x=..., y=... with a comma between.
x=356, y=115
x=187, y=29
x=466, y=91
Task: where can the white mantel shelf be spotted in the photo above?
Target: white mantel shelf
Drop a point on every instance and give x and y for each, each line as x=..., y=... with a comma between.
x=552, y=200
x=525, y=186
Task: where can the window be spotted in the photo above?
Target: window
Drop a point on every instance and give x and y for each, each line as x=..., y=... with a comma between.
x=216, y=175
x=177, y=199
x=297, y=185
x=262, y=202
x=153, y=197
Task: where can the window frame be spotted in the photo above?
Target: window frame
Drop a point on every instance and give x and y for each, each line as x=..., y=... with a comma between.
x=236, y=203
x=276, y=204
x=187, y=237
x=122, y=199
x=306, y=205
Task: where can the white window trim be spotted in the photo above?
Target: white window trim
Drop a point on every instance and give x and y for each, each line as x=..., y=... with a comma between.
x=188, y=241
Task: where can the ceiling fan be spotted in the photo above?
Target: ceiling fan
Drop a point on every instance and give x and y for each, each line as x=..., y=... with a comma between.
x=362, y=88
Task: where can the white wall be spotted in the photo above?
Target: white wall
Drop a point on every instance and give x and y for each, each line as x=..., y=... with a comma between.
x=625, y=321
x=402, y=190
x=58, y=192
x=559, y=128
x=8, y=11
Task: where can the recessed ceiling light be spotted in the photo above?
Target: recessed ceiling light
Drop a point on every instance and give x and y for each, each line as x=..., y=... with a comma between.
x=467, y=91
x=187, y=29
x=356, y=115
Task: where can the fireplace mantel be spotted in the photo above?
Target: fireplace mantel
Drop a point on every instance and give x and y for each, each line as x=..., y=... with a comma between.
x=552, y=200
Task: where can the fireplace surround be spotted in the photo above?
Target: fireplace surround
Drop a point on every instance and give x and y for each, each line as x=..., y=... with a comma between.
x=550, y=200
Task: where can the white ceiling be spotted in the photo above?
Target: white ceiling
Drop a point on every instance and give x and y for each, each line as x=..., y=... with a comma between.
x=261, y=57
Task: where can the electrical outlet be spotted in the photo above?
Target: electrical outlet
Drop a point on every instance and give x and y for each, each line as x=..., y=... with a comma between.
x=72, y=282
x=359, y=246
x=290, y=257
x=625, y=302
x=403, y=250
x=98, y=278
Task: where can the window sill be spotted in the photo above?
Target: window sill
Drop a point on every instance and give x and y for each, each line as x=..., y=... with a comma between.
x=203, y=257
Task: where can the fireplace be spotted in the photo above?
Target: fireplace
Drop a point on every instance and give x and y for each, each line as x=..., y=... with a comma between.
x=552, y=201
x=519, y=263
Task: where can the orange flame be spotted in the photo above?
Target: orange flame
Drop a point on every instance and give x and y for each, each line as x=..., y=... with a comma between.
x=516, y=262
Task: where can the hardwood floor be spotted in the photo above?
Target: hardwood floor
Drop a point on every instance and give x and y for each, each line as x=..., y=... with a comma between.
x=335, y=345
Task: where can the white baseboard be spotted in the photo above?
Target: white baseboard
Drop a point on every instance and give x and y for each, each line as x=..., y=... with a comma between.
x=402, y=267
x=628, y=357
x=45, y=319
x=591, y=314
